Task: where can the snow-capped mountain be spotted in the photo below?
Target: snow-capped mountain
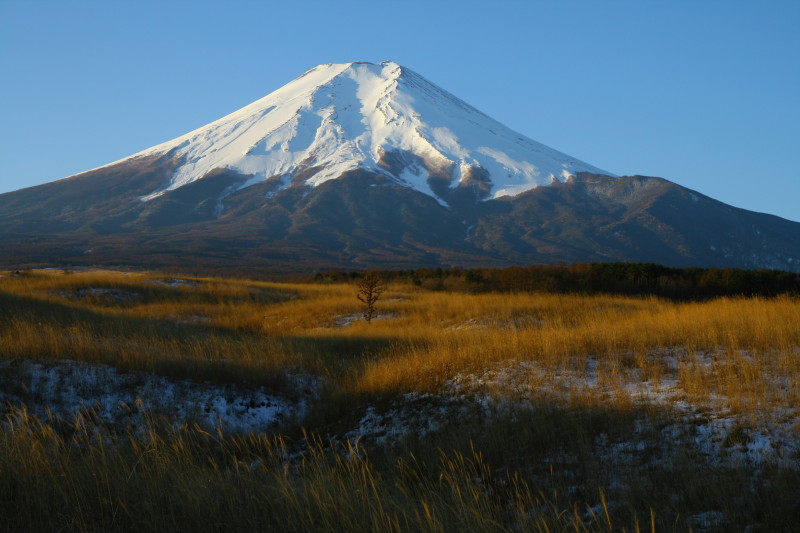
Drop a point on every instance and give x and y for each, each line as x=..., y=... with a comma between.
x=385, y=118
x=360, y=165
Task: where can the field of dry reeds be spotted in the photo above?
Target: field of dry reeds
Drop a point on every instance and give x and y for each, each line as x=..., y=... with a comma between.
x=447, y=411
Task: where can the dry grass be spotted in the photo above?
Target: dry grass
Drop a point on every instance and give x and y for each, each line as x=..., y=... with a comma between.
x=59, y=475
x=743, y=353
x=419, y=340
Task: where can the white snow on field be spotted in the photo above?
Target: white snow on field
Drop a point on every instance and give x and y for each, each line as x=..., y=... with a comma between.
x=770, y=435
x=724, y=437
x=177, y=282
x=67, y=387
x=411, y=414
x=100, y=293
x=342, y=321
x=343, y=116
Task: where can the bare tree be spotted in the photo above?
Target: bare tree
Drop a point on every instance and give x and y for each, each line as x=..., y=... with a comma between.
x=370, y=288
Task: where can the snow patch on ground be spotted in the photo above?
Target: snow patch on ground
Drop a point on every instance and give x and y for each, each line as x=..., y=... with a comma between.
x=106, y=295
x=761, y=435
x=177, y=282
x=342, y=321
x=709, y=520
x=414, y=414
x=726, y=438
x=770, y=436
x=68, y=387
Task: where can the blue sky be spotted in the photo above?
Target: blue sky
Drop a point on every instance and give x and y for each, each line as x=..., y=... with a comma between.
x=704, y=93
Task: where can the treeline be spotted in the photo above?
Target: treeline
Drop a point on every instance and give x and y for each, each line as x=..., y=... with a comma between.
x=615, y=278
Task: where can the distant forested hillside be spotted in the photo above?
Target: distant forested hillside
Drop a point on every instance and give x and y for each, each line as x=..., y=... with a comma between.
x=616, y=278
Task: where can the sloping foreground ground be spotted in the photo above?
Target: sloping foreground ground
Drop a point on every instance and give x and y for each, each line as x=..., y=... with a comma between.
x=479, y=412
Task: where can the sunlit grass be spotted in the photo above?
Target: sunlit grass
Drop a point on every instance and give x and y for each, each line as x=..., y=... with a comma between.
x=419, y=340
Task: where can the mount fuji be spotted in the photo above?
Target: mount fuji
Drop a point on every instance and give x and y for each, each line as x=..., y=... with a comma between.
x=359, y=165
x=383, y=118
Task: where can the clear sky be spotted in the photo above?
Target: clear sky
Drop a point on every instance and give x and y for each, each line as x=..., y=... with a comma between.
x=703, y=93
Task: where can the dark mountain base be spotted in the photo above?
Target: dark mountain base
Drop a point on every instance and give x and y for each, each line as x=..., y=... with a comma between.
x=365, y=220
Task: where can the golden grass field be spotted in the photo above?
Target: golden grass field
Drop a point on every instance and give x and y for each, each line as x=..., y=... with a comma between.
x=579, y=374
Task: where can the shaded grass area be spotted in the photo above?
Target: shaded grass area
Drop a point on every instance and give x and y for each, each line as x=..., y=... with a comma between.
x=59, y=475
x=193, y=481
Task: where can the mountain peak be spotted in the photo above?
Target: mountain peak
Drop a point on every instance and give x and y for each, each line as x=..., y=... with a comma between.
x=382, y=117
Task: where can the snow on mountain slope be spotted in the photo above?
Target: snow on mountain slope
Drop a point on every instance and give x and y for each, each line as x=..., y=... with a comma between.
x=385, y=118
